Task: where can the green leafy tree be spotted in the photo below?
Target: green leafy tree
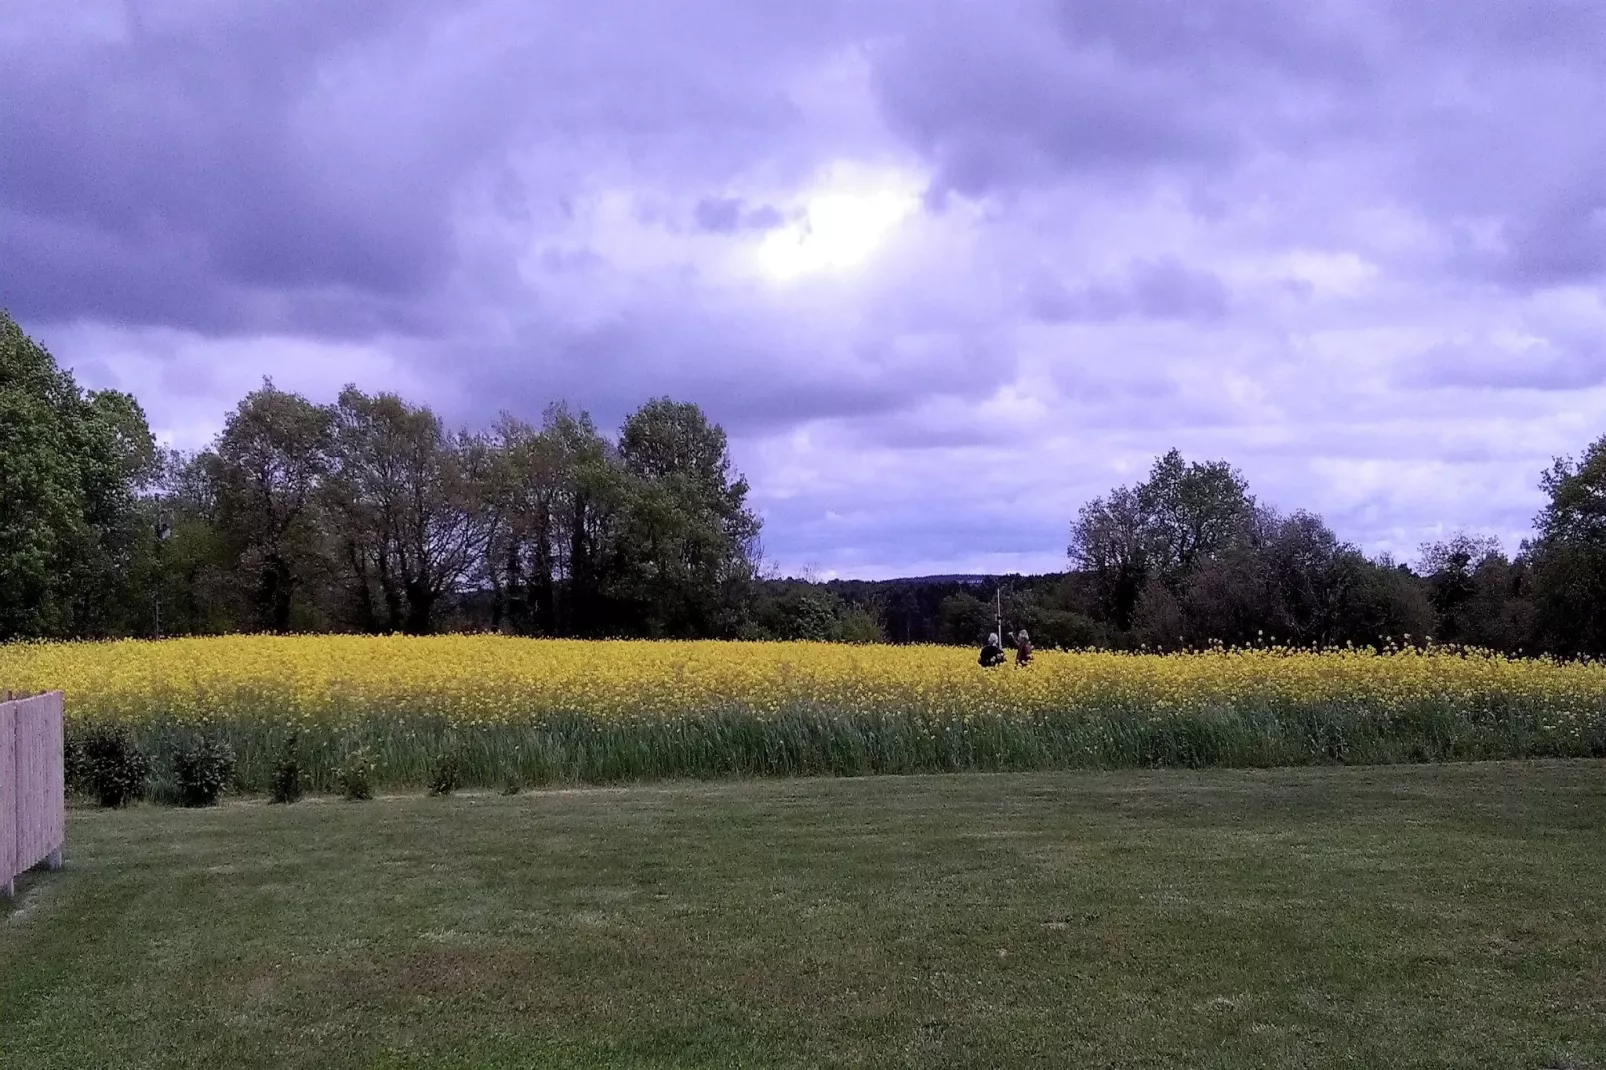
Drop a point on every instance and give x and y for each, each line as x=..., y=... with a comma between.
x=1192, y=512
x=1160, y=531
x=1569, y=555
x=407, y=512
x=266, y=470
x=686, y=554
x=1480, y=597
x=553, y=497
x=1110, y=544
x=71, y=466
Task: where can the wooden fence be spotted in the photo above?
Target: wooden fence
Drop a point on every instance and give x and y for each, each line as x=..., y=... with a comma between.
x=33, y=800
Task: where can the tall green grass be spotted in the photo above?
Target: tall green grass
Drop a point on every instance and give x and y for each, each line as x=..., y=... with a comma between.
x=577, y=749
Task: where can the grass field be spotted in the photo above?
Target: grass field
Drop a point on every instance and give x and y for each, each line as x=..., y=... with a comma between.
x=1445, y=916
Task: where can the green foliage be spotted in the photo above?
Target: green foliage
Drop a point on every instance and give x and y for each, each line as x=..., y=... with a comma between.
x=446, y=775
x=860, y=625
x=70, y=464
x=684, y=557
x=404, y=502
x=202, y=770
x=356, y=775
x=1161, y=531
x=1569, y=555
x=285, y=785
x=264, y=473
x=113, y=767
x=75, y=763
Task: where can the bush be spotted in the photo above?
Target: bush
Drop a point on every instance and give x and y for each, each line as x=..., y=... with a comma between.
x=445, y=778
x=356, y=775
x=111, y=765
x=202, y=770
x=75, y=764
x=285, y=785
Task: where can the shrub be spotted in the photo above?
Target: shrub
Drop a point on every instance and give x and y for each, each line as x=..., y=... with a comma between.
x=356, y=775
x=445, y=778
x=202, y=770
x=285, y=785
x=75, y=764
x=112, y=766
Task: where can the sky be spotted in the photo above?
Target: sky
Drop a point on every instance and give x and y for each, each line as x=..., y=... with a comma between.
x=943, y=269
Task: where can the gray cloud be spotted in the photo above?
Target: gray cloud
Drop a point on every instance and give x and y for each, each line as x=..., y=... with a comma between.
x=1538, y=366
x=1356, y=246
x=730, y=215
x=1151, y=289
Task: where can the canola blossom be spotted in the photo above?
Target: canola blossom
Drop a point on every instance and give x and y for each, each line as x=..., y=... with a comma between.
x=544, y=710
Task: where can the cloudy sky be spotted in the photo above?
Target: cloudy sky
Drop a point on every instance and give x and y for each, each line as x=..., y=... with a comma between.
x=943, y=268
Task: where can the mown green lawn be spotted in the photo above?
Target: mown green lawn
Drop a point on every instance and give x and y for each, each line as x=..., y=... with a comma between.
x=1449, y=916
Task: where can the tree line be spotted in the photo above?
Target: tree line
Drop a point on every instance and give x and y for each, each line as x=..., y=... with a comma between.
x=370, y=514
x=367, y=515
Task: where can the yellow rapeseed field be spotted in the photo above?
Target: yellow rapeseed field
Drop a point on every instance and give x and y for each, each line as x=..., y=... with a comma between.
x=842, y=705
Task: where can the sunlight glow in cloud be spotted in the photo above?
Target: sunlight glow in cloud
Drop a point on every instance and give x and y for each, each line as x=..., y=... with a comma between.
x=841, y=223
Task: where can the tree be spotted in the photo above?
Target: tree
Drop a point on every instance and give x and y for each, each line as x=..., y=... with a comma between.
x=686, y=554
x=1479, y=596
x=1382, y=602
x=267, y=469
x=1109, y=542
x=1191, y=513
x=193, y=580
x=964, y=619
x=71, y=465
x=1187, y=557
x=1161, y=530
x=408, y=519
x=554, y=496
x=1569, y=555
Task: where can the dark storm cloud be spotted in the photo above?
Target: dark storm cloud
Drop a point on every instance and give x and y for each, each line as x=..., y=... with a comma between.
x=287, y=147
x=197, y=157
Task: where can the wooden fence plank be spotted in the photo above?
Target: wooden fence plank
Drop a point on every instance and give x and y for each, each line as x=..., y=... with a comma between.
x=33, y=814
x=8, y=796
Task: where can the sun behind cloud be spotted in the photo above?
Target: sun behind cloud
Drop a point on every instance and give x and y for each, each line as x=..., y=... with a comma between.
x=840, y=223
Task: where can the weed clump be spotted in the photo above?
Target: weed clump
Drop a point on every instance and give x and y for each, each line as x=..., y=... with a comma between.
x=356, y=776
x=202, y=771
x=285, y=786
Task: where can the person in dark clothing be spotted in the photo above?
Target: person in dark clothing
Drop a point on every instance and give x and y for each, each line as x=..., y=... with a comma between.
x=992, y=654
x=1023, y=648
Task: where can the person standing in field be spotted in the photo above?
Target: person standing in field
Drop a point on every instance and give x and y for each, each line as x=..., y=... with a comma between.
x=992, y=654
x=1023, y=648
